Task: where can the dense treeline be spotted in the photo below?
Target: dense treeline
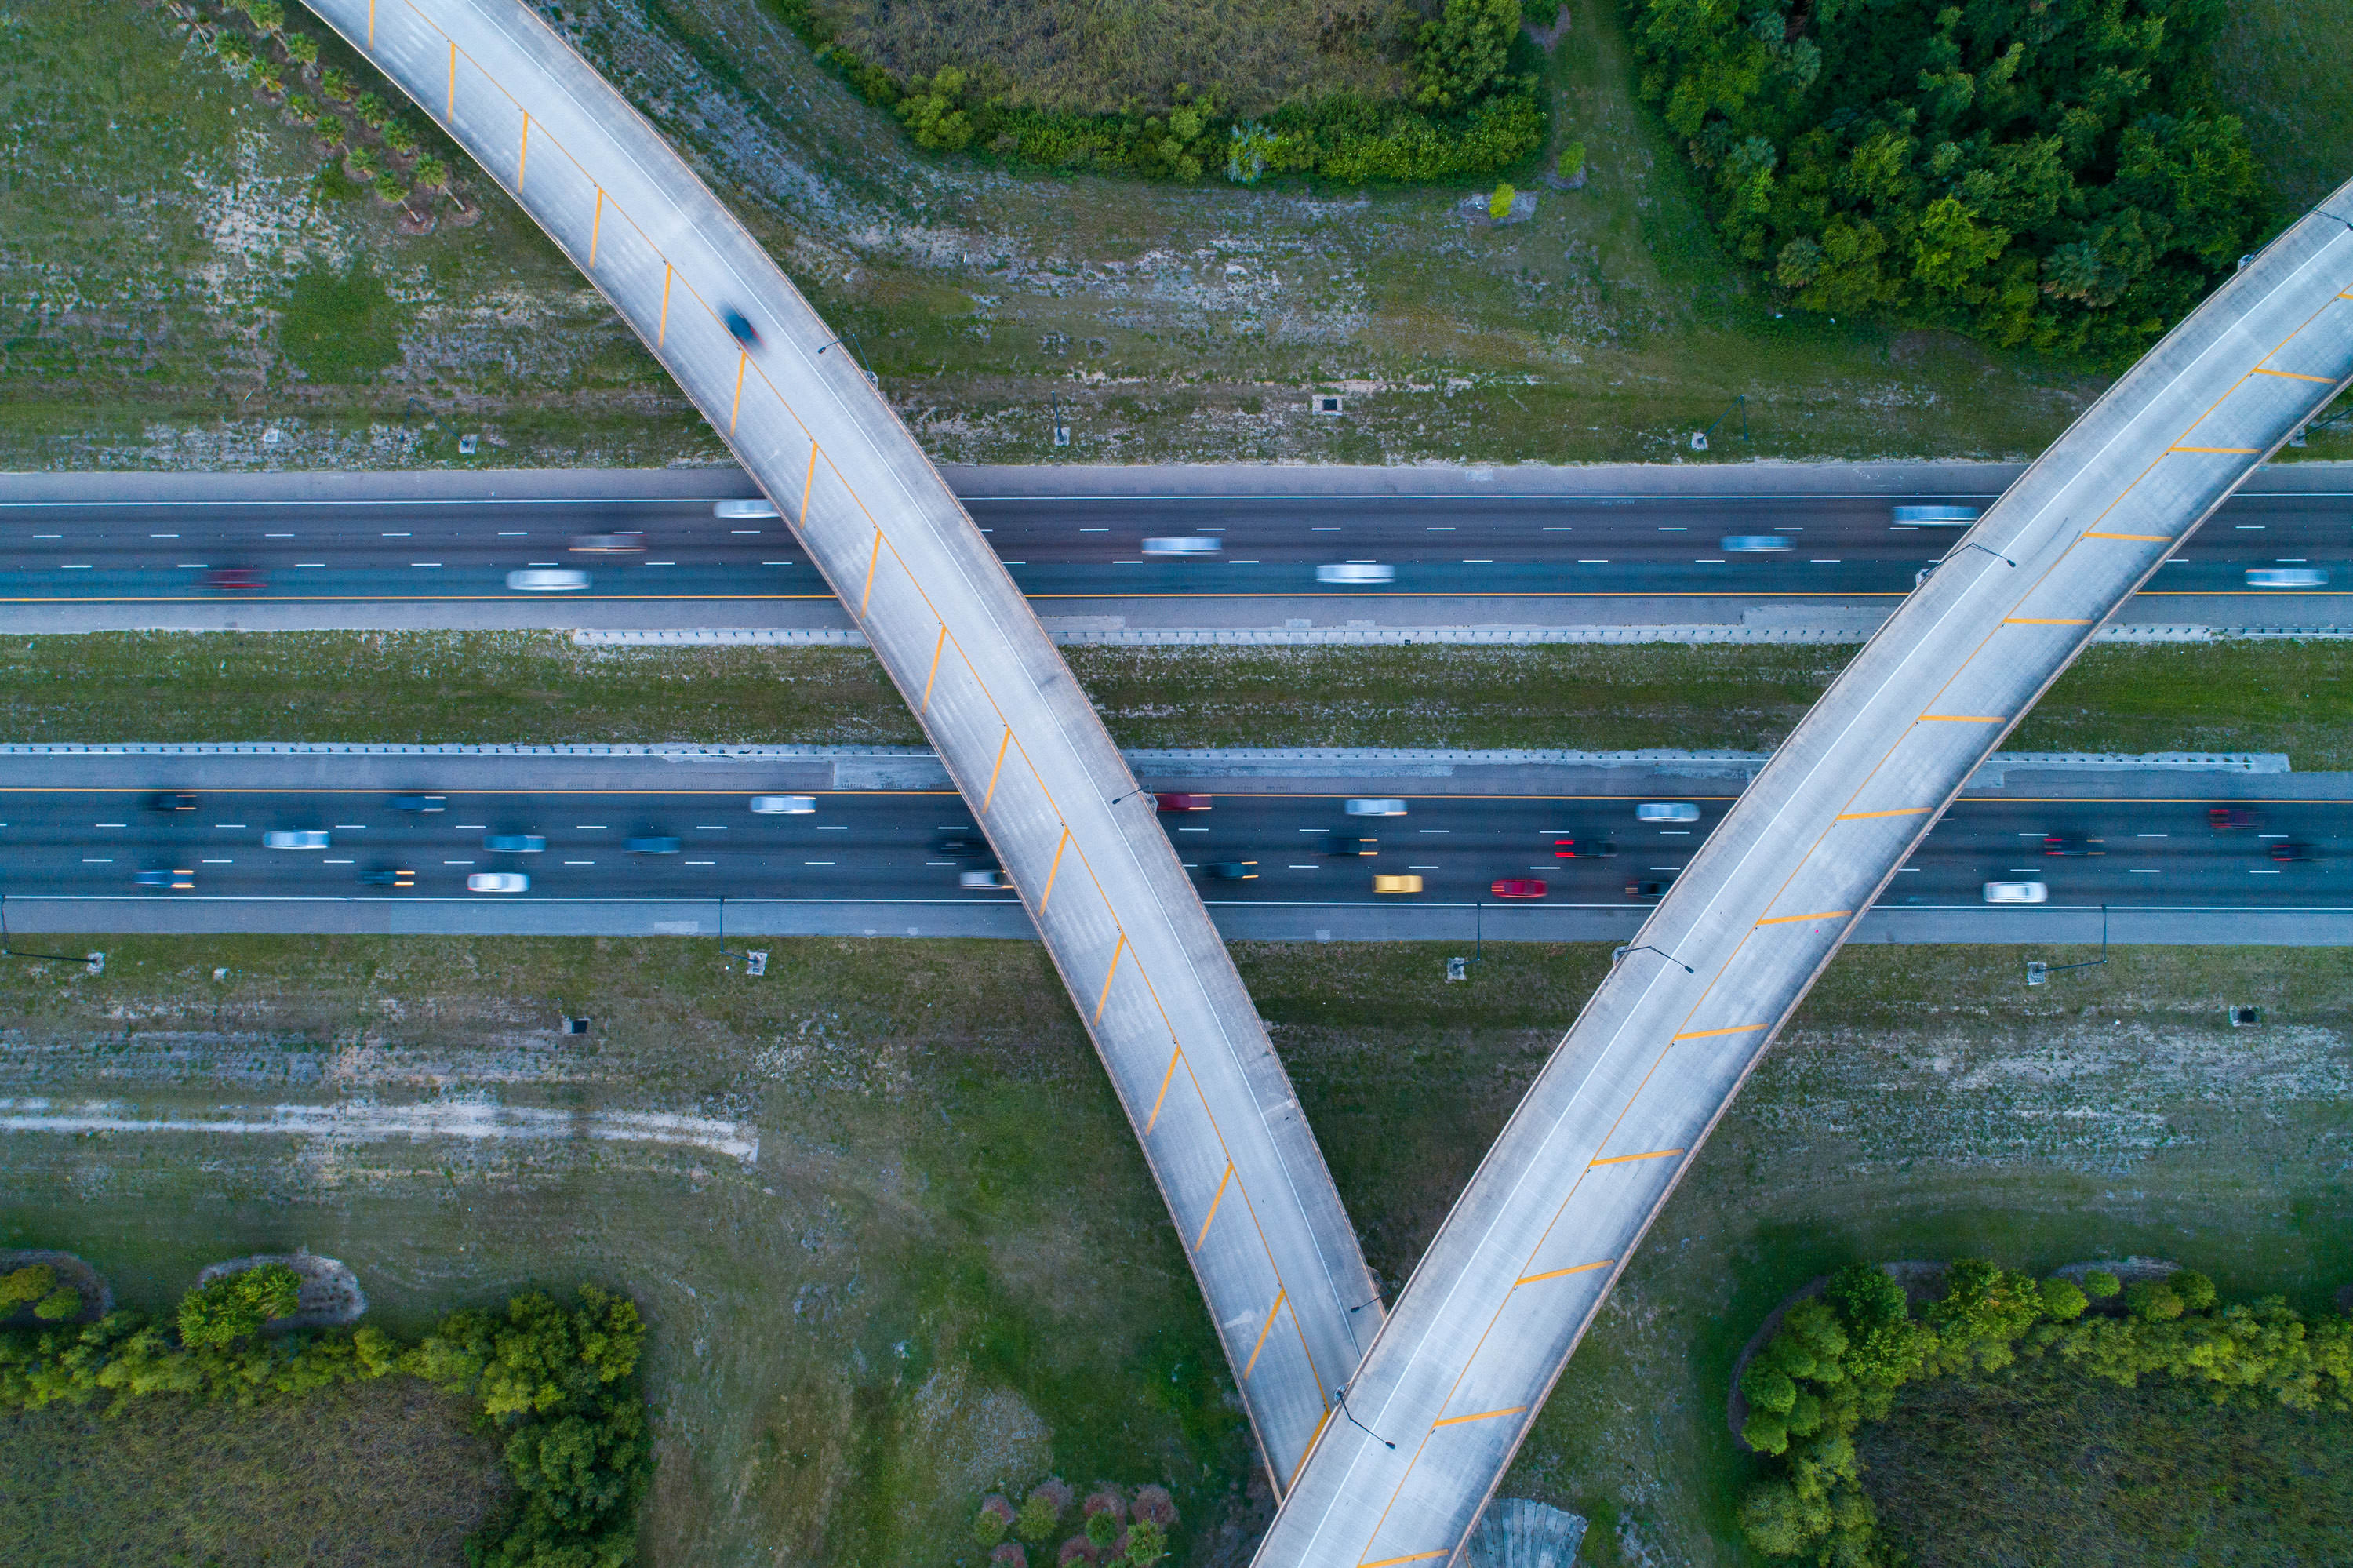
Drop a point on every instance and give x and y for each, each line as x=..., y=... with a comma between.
x=2055, y=174
x=1838, y=1360
x=558, y=1385
x=1477, y=108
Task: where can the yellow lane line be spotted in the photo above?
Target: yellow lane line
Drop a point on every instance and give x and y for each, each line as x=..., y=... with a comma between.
x=1167, y=1078
x=523, y=157
x=1211, y=1217
x=743, y=359
x=2294, y=375
x=2133, y=538
x=937, y=649
x=2035, y=620
x=2218, y=452
x=1562, y=1273
x=1630, y=1158
x=1264, y=1330
x=596, y=225
x=1962, y=718
x=808, y=488
x=1110, y=974
x=1900, y=811
x=1053, y=871
x=1482, y=1416
x=1417, y=1557
x=999, y=768
x=1793, y=919
x=1712, y=1033
x=1309, y=1450
x=874, y=564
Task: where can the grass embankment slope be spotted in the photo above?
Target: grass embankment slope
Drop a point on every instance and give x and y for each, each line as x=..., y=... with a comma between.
x=948, y=1266
x=148, y=292
x=538, y=688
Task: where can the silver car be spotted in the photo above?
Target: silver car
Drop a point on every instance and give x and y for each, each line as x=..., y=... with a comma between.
x=542, y=580
x=1183, y=545
x=498, y=881
x=1751, y=544
x=783, y=805
x=1666, y=811
x=993, y=879
x=2016, y=892
x=2286, y=576
x=758, y=506
x=295, y=838
x=1376, y=808
x=1937, y=516
x=1355, y=572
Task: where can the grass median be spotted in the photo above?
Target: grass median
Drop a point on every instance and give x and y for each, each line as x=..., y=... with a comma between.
x=946, y=1267
x=539, y=688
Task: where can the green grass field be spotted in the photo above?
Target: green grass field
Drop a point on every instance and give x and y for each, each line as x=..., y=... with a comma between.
x=948, y=1269
x=378, y=1473
x=538, y=688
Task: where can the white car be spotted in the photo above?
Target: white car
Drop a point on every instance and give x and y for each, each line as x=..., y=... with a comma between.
x=543, y=580
x=2286, y=576
x=982, y=879
x=498, y=881
x=1937, y=516
x=1183, y=545
x=1376, y=808
x=2015, y=893
x=295, y=838
x=1355, y=572
x=783, y=805
x=1666, y=811
x=629, y=543
x=757, y=506
x=1751, y=544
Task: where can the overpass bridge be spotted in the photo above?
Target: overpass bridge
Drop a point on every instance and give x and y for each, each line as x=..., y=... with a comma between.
x=1517, y=1271
x=1253, y=1204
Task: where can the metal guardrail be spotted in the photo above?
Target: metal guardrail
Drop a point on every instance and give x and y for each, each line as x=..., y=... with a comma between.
x=1521, y=1266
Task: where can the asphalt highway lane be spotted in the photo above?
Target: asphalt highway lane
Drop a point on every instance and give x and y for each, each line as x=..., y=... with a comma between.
x=1081, y=547
x=1273, y=848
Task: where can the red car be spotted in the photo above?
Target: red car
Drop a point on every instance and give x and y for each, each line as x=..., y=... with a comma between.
x=2226, y=817
x=238, y=580
x=2286, y=851
x=1518, y=887
x=1182, y=802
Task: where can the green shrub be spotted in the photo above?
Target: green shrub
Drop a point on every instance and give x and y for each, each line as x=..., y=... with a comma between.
x=930, y=113
x=2052, y=173
x=2152, y=1300
x=63, y=1302
x=994, y=1518
x=1572, y=160
x=2100, y=1285
x=1147, y=1543
x=1102, y=1529
x=1464, y=52
x=1499, y=205
x=31, y=1283
x=2063, y=1300
x=236, y=1306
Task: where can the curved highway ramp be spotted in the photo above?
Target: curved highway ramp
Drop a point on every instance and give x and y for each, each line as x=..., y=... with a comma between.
x=1252, y=1201
x=1519, y=1266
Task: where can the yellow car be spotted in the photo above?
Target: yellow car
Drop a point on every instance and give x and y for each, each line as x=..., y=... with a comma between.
x=1397, y=885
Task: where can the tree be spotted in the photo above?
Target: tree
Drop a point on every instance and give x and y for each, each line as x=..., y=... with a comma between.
x=994, y=1518
x=59, y=1305
x=931, y=114
x=431, y=174
x=302, y=49
x=236, y=1306
x=28, y=1284
x=1462, y=54
x=2062, y=1300
x=1147, y=1543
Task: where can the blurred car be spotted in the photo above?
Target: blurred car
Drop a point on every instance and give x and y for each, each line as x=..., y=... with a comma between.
x=1355, y=572
x=2288, y=850
x=498, y=881
x=427, y=803
x=237, y=579
x=543, y=580
x=514, y=844
x=295, y=838
x=1937, y=516
x=982, y=879
x=739, y=327
x=2070, y=844
x=623, y=543
x=783, y=805
x=181, y=880
x=1397, y=885
x=172, y=801
x=1518, y=887
x=1582, y=848
x=1646, y=889
x=1666, y=811
x=954, y=844
x=1230, y=871
x=653, y=843
x=1373, y=806
x=2015, y=892
x=1181, y=546
x=1182, y=802
x=1751, y=544
x=2223, y=818
x=1343, y=843
x=739, y=511
x=2286, y=576
x=387, y=877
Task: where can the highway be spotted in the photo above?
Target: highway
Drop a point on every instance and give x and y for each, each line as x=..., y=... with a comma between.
x=1077, y=546
x=1246, y=1186
x=1282, y=847
x=1560, y=1202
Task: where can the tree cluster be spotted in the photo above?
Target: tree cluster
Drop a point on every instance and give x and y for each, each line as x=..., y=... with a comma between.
x=558, y=1383
x=1476, y=108
x=1115, y=1529
x=36, y=1285
x=1838, y=1360
x=2055, y=174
